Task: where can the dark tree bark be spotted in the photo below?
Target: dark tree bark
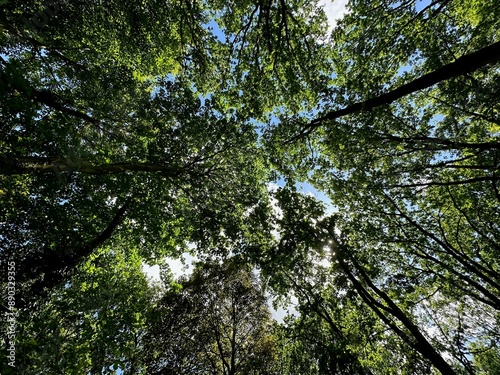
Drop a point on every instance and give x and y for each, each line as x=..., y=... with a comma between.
x=47, y=98
x=32, y=164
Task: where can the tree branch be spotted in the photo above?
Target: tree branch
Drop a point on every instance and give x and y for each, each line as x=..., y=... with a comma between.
x=463, y=65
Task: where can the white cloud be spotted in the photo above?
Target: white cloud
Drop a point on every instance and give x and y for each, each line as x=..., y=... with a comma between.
x=277, y=211
x=280, y=312
x=272, y=187
x=334, y=10
x=181, y=267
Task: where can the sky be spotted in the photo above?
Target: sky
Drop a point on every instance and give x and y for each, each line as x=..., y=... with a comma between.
x=334, y=11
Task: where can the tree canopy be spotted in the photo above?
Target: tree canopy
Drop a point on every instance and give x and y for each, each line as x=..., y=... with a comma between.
x=135, y=132
x=215, y=322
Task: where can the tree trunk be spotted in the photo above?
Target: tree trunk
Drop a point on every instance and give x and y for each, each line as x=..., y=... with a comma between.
x=57, y=264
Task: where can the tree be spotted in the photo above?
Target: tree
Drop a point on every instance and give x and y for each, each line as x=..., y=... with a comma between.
x=345, y=332
x=187, y=175
x=118, y=127
x=124, y=123
x=95, y=323
x=462, y=66
x=415, y=176
x=126, y=111
x=217, y=321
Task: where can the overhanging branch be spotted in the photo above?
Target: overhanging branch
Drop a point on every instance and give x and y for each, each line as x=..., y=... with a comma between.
x=463, y=65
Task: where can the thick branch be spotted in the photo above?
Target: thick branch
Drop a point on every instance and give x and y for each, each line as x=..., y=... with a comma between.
x=54, y=265
x=55, y=102
x=30, y=164
x=463, y=65
x=449, y=144
x=47, y=98
x=445, y=183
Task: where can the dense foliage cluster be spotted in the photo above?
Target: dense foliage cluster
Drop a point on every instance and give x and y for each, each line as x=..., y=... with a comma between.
x=133, y=132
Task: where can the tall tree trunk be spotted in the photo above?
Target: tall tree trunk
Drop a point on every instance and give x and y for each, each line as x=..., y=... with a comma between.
x=417, y=340
x=31, y=164
x=463, y=65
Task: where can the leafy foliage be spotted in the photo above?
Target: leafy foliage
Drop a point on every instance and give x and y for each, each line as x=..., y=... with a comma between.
x=136, y=131
x=93, y=324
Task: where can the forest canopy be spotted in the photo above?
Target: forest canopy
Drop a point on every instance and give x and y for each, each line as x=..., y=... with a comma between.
x=135, y=132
